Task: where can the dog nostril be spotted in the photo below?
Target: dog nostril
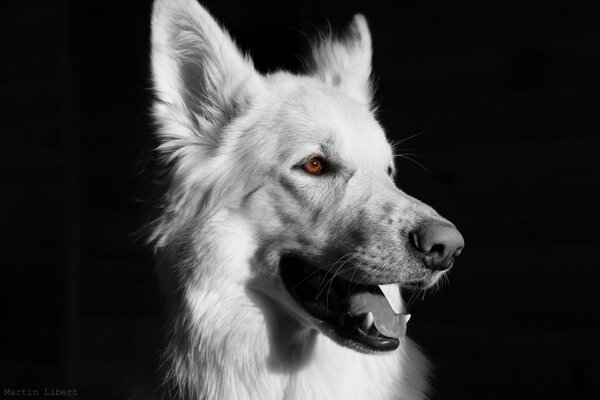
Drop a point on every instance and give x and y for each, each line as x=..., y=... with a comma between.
x=438, y=249
x=439, y=243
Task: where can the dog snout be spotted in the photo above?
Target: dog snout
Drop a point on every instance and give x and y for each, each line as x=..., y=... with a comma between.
x=439, y=243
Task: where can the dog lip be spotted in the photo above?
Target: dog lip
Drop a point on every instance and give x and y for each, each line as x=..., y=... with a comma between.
x=352, y=328
x=354, y=278
x=417, y=284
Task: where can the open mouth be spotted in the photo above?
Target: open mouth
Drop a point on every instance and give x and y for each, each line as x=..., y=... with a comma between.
x=354, y=315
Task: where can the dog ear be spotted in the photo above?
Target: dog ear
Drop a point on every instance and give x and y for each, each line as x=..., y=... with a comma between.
x=201, y=79
x=346, y=63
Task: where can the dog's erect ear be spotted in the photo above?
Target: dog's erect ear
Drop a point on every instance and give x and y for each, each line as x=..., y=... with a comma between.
x=201, y=79
x=346, y=63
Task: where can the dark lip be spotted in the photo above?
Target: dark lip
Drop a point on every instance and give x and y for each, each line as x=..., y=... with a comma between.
x=417, y=285
x=333, y=319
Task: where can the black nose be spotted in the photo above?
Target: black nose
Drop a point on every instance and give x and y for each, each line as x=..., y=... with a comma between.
x=440, y=243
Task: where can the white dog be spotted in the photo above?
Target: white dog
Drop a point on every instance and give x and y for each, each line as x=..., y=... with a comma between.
x=282, y=241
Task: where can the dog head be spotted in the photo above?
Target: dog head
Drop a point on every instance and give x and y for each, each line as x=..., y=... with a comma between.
x=303, y=165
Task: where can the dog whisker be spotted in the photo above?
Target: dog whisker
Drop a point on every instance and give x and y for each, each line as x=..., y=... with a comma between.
x=400, y=141
x=330, y=280
x=325, y=280
x=406, y=156
x=318, y=270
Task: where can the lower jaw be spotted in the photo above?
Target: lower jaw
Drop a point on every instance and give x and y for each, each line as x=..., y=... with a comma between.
x=364, y=344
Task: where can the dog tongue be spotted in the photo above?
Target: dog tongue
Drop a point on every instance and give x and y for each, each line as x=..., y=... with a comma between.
x=385, y=319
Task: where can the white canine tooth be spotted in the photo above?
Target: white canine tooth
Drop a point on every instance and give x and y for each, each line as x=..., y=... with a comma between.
x=367, y=322
x=407, y=318
x=392, y=294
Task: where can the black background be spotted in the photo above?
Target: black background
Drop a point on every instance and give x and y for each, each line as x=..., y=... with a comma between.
x=505, y=95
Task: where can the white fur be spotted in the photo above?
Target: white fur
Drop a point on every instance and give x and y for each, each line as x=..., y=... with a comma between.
x=347, y=64
x=229, y=139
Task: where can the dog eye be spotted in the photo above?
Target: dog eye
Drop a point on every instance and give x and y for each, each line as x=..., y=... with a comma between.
x=314, y=165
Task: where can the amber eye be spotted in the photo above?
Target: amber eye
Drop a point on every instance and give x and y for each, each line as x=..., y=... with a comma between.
x=314, y=166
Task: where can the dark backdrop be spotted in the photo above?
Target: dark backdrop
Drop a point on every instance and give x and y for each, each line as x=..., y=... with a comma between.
x=505, y=95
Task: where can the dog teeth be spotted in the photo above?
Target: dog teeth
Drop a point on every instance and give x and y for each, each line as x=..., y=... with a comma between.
x=392, y=294
x=407, y=318
x=367, y=322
